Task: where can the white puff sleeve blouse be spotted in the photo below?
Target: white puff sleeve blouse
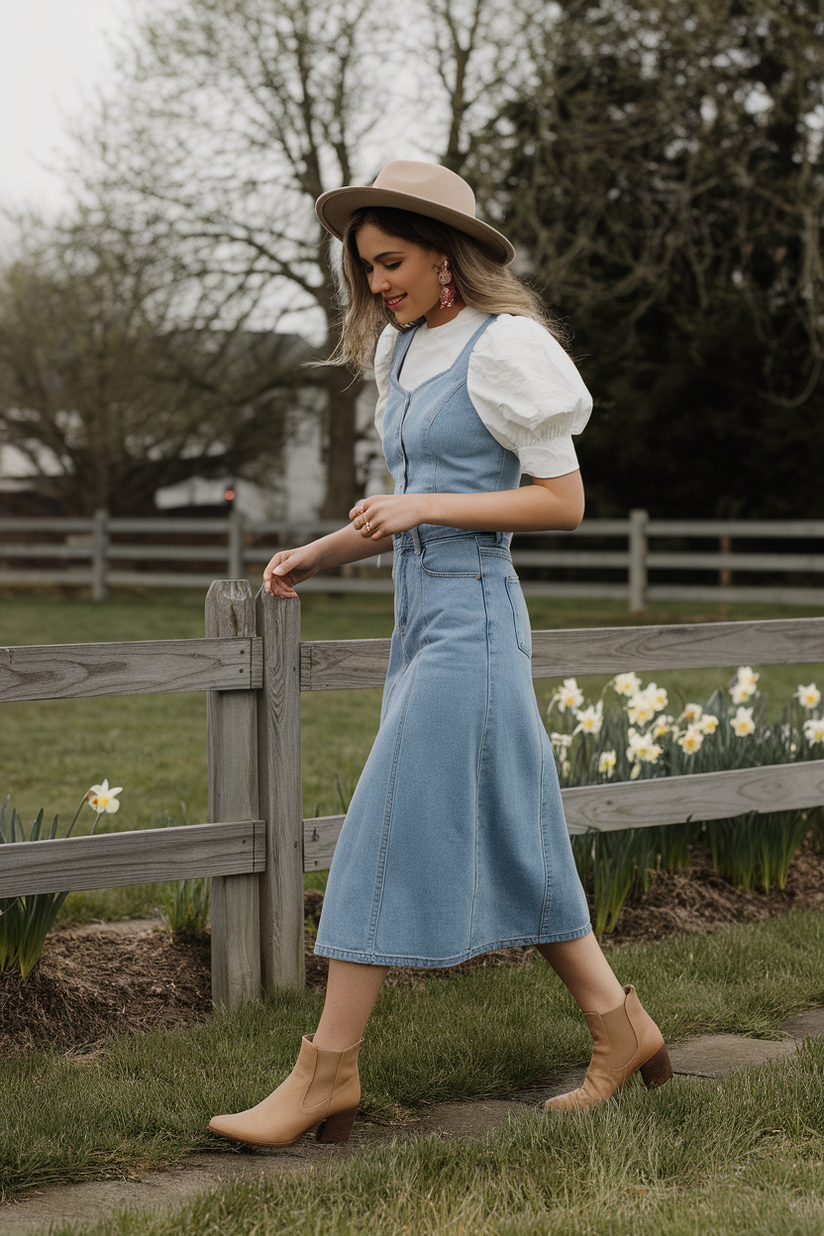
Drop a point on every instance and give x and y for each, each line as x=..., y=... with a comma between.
x=522, y=383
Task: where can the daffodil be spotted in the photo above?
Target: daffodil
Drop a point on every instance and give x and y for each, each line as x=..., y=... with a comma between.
x=640, y=709
x=747, y=677
x=740, y=692
x=707, y=723
x=814, y=730
x=808, y=697
x=641, y=747
x=569, y=695
x=691, y=740
x=560, y=742
x=100, y=798
x=742, y=723
x=657, y=696
x=664, y=725
x=606, y=762
x=692, y=712
x=626, y=684
x=590, y=719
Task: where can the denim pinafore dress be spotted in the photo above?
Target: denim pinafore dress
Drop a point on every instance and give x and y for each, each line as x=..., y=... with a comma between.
x=455, y=841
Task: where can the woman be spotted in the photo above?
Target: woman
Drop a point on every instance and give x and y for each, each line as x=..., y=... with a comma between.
x=455, y=842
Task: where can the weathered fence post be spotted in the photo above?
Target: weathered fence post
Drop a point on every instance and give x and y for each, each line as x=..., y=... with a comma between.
x=281, y=793
x=638, y=521
x=100, y=546
x=233, y=795
x=236, y=567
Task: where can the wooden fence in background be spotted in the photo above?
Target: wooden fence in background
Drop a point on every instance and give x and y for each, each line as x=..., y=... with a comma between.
x=254, y=666
x=104, y=552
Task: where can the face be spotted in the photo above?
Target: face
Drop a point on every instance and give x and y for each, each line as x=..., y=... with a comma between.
x=404, y=274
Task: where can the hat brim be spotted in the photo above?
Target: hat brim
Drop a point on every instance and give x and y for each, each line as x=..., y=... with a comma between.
x=335, y=209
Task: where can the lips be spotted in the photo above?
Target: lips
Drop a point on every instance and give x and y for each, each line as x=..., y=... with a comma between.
x=394, y=301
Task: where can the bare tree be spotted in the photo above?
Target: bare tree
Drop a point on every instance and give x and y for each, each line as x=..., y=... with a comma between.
x=107, y=397
x=234, y=115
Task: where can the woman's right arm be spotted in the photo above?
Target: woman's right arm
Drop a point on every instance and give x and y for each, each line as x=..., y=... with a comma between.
x=293, y=566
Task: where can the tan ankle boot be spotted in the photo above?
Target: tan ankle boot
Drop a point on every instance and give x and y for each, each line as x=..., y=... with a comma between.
x=624, y=1040
x=323, y=1088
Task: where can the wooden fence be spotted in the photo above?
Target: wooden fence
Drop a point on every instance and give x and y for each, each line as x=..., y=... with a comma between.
x=629, y=563
x=254, y=666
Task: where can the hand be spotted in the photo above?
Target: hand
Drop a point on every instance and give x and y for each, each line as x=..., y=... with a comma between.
x=287, y=568
x=383, y=515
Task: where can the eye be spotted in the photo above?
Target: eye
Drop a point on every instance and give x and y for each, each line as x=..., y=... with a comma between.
x=392, y=265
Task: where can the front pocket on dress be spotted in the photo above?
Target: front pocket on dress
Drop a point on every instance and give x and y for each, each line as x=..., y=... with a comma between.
x=520, y=614
x=449, y=557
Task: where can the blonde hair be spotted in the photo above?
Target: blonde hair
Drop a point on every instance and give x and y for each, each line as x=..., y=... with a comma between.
x=480, y=281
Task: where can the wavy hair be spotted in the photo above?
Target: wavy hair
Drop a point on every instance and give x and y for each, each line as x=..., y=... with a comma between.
x=480, y=281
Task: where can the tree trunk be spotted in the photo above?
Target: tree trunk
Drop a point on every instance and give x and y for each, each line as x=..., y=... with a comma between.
x=342, y=488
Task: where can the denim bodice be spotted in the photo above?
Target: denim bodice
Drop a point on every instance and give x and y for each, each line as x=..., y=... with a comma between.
x=434, y=441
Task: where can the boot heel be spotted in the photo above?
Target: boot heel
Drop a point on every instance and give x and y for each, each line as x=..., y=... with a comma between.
x=338, y=1127
x=657, y=1069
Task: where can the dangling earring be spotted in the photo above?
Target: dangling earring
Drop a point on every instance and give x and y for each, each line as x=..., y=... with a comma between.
x=447, y=286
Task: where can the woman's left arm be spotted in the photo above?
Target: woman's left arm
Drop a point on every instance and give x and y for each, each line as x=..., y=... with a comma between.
x=554, y=503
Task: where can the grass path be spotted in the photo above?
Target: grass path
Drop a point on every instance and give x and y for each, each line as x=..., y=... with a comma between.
x=732, y=1155
x=144, y=1101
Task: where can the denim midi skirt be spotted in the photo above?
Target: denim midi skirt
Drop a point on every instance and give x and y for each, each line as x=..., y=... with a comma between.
x=455, y=841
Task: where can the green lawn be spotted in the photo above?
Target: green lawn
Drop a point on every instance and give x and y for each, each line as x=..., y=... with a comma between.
x=144, y=1101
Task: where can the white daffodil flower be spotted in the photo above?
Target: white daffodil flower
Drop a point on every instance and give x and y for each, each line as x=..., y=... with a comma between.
x=691, y=713
x=691, y=740
x=626, y=684
x=560, y=742
x=747, y=677
x=814, y=730
x=657, y=696
x=606, y=762
x=664, y=725
x=809, y=697
x=640, y=709
x=569, y=695
x=742, y=723
x=707, y=723
x=590, y=719
x=642, y=748
x=740, y=692
x=100, y=798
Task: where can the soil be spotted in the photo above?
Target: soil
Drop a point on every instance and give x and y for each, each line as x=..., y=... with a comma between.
x=117, y=978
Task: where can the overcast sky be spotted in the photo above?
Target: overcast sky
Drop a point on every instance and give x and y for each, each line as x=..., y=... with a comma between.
x=52, y=53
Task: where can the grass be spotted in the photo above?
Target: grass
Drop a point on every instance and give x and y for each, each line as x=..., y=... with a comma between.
x=742, y=1157
x=145, y=1100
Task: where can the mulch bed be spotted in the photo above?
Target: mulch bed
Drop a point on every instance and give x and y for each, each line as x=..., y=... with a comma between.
x=94, y=982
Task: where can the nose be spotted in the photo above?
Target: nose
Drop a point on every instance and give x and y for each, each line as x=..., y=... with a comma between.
x=378, y=282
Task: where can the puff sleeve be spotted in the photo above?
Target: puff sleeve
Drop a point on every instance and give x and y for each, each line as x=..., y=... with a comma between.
x=529, y=394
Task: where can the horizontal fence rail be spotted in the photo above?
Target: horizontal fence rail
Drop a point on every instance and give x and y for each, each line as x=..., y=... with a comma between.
x=335, y=665
x=73, y=671
x=115, y=859
x=645, y=804
x=189, y=552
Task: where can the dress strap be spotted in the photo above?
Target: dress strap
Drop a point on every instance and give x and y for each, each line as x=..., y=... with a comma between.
x=402, y=346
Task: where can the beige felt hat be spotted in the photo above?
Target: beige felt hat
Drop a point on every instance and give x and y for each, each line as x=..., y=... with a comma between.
x=423, y=188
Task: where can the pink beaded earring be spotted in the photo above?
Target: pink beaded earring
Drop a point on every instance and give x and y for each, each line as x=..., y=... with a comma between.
x=447, y=286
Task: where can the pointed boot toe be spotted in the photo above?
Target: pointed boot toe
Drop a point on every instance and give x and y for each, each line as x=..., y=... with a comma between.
x=323, y=1089
x=625, y=1041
